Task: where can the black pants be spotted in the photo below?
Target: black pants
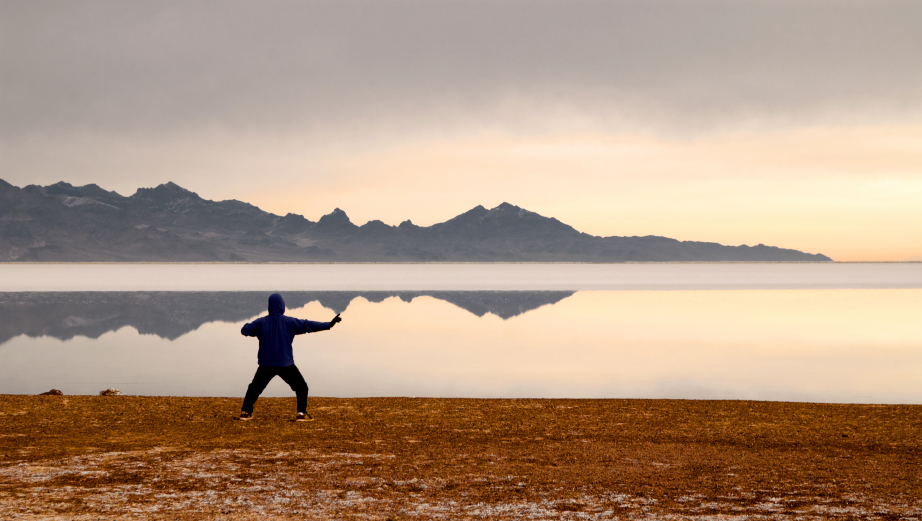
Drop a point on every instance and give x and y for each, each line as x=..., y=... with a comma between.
x=265, y=374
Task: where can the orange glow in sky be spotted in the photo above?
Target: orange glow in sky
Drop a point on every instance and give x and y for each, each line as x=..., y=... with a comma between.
x=791, y=124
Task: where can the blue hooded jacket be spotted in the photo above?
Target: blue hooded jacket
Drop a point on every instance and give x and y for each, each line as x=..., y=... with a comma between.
x=275, y=332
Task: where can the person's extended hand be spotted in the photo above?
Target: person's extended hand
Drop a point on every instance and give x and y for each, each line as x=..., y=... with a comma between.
x=335, y=320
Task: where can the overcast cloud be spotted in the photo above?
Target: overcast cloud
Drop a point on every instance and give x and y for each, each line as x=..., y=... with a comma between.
x=144, y=68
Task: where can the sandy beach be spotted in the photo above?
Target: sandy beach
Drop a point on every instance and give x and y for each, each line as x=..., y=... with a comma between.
x=94, y=457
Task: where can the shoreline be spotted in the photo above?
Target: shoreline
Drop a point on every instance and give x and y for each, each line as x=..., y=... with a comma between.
x=472, y=399
x=456, y=276
x=433, y=458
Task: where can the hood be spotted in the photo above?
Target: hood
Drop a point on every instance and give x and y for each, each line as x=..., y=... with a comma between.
x=276, y=304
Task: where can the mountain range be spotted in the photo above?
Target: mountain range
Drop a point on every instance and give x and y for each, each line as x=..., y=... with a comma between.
x=66, y=223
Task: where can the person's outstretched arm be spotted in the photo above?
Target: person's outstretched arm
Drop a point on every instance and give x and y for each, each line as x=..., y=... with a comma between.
x=251, y=329
x=309, y=326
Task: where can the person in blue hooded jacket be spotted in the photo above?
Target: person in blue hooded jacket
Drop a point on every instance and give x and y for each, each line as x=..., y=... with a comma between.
x=275, y=332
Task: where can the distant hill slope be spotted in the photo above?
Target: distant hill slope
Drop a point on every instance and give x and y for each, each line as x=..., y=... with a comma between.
x=62, y=222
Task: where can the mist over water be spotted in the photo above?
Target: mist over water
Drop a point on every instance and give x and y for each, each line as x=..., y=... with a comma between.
x=829, y=345
x=455, y=276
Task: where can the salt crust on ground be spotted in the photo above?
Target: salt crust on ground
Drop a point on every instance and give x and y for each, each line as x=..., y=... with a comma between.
x=179, y=481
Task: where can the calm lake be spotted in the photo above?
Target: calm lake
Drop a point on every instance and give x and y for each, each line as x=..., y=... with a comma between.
x=800, y=332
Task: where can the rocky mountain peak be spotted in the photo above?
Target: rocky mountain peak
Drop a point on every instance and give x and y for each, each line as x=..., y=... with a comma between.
x=294, y=223
x=168, y=196
x=60, y=187
x=337, y=216
x=407, y=225
x=335, y=223
x=504, y=222
x=72, y=195
x=165, y=190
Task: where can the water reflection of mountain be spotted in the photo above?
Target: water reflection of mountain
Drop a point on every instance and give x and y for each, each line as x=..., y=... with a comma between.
x=171, y=314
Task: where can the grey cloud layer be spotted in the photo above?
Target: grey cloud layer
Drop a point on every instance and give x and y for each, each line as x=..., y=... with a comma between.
x=161, y=67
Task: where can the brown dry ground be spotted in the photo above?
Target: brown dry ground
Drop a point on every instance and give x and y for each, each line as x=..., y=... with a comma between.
x=398, y=458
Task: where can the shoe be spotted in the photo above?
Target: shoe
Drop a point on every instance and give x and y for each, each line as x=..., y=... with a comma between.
x=245, y=416
x=304, y=417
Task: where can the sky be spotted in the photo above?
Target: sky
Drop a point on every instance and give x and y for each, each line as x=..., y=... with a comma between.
x=789, y=123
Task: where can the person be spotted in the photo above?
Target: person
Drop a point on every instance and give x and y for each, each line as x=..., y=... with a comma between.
x=275, y=332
